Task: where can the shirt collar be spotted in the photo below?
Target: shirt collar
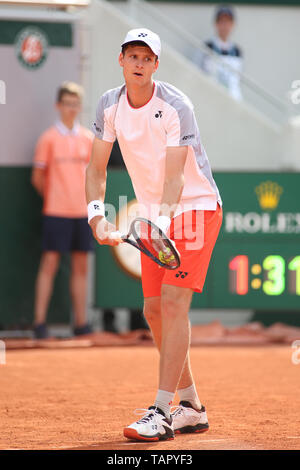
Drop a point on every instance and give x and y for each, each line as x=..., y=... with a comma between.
x=64, y=129
x=226, y=45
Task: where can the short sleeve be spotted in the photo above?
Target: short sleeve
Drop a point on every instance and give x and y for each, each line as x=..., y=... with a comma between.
x=103, y=126
x=42, y=151
x=90, y=139
x=181, y=125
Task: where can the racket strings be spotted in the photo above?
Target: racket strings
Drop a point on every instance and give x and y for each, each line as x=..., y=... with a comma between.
x=156, y=242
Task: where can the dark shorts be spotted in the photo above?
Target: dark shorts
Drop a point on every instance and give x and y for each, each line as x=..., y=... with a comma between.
x=66, y=234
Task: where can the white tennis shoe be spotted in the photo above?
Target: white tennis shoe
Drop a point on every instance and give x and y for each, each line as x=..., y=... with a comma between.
x=153, y=426
x=187, y=420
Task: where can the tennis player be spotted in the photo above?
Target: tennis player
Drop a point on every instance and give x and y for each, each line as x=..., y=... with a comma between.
x=159, y=139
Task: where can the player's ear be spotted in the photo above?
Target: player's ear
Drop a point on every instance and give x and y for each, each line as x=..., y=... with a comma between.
x=156, y=65
x=121, y=59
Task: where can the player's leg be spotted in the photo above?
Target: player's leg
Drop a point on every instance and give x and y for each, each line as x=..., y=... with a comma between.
x=175, y=336
x=196, y=252
x=190, y=415
x=156, y=423
x=152, y=313
x=44, y=285
x=152, y=277
x=153, y=425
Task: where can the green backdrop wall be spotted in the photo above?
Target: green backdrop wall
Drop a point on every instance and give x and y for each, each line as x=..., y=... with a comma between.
x=248, y=230
x=20, y=243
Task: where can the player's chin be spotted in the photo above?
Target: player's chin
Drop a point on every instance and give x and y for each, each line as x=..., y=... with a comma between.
x=139, y=79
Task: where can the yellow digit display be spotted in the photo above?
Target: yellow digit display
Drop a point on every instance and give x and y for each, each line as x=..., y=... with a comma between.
x=275, y=267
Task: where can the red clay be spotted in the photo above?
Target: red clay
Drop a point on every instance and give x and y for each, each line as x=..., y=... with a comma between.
x=83, y=398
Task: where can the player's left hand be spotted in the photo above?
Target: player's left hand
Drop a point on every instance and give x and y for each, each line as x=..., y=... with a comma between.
x=106, y=233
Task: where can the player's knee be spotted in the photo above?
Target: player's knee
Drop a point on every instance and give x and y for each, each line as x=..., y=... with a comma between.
x=152, y=313
x=173, y=306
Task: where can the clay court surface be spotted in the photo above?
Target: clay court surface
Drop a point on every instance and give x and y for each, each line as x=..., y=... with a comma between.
x=81, y=398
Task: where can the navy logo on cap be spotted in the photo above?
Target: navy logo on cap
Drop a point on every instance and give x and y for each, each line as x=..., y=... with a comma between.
x=143, y=35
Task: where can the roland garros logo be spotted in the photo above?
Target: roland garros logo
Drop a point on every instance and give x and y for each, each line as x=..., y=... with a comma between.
x=31, y=47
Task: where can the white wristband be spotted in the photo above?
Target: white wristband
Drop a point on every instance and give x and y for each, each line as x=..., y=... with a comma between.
x=95, y=208
x=163, y=222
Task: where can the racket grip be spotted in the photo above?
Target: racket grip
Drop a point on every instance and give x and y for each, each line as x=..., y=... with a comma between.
x=116, y=235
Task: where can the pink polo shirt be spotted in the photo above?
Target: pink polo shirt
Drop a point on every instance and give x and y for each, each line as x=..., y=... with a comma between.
x=64, y=154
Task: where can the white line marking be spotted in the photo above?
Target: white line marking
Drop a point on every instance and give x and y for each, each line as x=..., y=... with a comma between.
x=293, y=437
x=154, y=442
x=143, y=442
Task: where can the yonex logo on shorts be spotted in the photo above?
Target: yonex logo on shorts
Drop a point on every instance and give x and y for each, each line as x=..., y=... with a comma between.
x=142, y=35
x=96, y=206
x=181, y=274
x=158, y=114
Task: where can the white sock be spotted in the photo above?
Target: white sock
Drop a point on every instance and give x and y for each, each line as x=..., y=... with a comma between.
x=164, y=401
x=190, y=394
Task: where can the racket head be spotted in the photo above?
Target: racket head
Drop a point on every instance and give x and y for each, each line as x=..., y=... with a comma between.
x=152, y=241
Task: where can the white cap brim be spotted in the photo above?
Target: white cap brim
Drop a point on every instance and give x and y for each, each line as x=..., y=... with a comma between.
x=146, y=36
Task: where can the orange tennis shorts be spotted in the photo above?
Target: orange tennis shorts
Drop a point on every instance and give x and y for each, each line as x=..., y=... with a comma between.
x=195, y=234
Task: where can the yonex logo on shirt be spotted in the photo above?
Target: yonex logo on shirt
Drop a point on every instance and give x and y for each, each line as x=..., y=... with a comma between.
x=190, y=136
x=158, y=114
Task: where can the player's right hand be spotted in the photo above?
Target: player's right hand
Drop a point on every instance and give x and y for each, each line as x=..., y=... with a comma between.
x=104, y=232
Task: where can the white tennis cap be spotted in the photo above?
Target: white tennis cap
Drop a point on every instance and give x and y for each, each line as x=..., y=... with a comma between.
x=144, y=35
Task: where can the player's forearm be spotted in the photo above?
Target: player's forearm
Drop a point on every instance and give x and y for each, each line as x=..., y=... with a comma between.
x=95, y=184
x=171, y=195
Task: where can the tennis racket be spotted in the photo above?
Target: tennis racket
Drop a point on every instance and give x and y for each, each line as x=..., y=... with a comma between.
x=151, y=240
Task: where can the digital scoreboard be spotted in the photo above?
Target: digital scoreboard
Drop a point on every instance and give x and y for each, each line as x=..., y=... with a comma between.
x=262, y=276
x=276, y=278
x=256, y=260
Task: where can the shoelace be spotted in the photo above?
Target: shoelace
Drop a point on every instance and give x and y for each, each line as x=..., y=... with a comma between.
x=177, y=410
x=148, y=414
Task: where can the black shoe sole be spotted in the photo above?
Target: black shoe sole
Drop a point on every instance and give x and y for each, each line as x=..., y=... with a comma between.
x=192, y=429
